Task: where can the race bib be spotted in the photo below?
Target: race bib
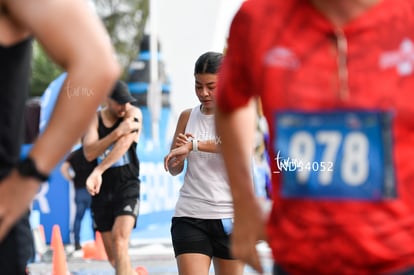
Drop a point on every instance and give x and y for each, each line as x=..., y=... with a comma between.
x=335, y=155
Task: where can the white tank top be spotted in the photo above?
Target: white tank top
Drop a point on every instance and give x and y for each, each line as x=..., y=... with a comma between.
x=205, y=193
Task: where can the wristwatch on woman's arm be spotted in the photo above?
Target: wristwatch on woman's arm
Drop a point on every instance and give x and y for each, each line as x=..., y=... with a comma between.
x=195, y=145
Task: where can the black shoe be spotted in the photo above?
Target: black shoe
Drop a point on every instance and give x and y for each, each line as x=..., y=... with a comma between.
x=78, y=246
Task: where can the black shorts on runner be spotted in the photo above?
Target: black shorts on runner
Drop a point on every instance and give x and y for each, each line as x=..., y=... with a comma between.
x=119, y=195
x=210, y=237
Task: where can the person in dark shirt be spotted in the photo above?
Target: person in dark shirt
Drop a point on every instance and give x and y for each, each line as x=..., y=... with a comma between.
x=75, y=39
x=76, y=169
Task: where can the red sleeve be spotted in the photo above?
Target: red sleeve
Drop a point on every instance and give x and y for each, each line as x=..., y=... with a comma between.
x=235, y=79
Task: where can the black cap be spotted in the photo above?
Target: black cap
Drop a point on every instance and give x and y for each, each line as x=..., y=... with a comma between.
x=120, y=93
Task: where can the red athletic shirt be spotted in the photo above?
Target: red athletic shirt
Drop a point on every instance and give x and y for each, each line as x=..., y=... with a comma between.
x=288, y=53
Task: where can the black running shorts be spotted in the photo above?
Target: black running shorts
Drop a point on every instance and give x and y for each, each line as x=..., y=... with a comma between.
x=119, y=195
x=204, y=236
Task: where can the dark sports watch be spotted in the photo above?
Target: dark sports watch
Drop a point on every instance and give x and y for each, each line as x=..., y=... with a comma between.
x=27, y=168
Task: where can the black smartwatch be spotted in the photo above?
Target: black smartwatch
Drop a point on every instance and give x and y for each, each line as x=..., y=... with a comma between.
x=27, y=168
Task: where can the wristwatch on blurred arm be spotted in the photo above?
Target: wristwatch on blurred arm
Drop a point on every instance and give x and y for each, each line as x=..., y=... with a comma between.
x=27, y=168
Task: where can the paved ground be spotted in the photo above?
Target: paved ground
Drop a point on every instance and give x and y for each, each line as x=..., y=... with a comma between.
x=157, y=257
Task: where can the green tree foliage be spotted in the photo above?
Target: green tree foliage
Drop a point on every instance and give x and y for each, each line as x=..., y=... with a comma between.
x=43, y=71
x=125, y=22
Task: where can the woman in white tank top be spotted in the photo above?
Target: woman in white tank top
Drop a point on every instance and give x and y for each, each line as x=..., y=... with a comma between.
x=202, y=221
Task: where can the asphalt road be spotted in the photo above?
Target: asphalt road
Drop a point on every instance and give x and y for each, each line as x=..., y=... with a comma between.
x=157, y=257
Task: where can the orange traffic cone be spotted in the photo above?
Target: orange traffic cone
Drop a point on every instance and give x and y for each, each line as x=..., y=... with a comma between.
x=100, y=253
x=59, y=256
x=89, y=250
x=140, y=270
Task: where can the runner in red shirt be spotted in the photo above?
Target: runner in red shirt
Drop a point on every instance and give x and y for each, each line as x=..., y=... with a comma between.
x=336, y=79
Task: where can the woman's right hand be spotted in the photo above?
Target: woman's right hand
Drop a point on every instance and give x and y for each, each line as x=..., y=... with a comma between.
x=177, y=156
